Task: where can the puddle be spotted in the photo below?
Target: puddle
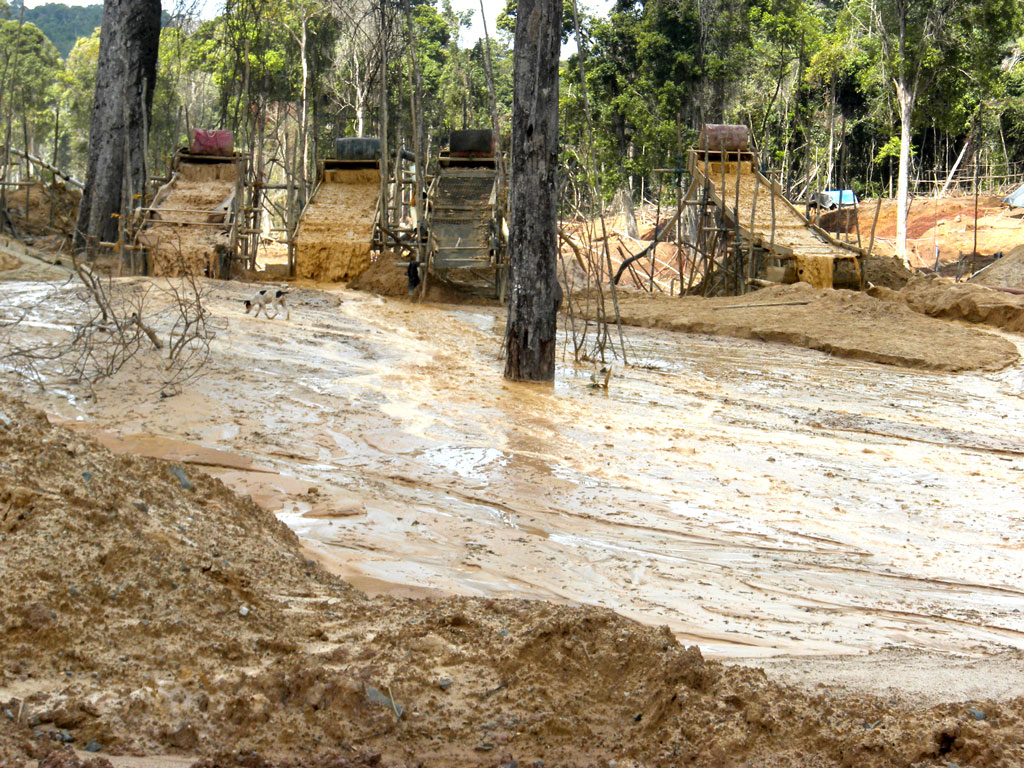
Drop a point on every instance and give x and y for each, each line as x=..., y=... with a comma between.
x=757, y=499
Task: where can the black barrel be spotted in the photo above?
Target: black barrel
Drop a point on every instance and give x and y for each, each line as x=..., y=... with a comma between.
x=472, y=143
x=356, y=149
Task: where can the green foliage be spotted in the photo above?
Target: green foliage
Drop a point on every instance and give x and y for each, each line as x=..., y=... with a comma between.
x=812, y=78
x=64, y=24
x=78, y=82
x=891, y=149
x=29, y=65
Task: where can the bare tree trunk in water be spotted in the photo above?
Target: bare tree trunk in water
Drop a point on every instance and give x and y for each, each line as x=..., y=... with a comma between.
x=530, y=333
x=125, y=78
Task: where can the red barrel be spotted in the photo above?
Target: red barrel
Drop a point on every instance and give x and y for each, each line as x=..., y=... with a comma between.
x=736, y=137
x=219, y=143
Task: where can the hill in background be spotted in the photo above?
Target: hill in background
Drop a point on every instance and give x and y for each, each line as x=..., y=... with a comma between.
x=63, y=24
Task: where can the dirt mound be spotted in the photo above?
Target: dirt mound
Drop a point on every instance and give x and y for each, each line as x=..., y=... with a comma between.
x=886, y=271
x=583, y=242
x=1007, y=272
x=945, y=224
x=44, y=209
x=184, y=574
x=386, y=277
x=842, y=323
x=334, y=236
x=941, y=297
x=23, y=262
x=8, y=261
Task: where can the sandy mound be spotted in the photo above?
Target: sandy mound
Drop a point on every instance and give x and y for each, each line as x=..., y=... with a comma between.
x=842, y=323
x=386, y=278
x=44, y=209
x=886, y=271
x=941, y=297
x=8, y=261
x=184, y=237
x=334, y=236
x=1007, y=272
x=383, y=276
x=146, y=608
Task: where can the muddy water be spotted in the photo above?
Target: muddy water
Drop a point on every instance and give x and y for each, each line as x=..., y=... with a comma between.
x=760, y=500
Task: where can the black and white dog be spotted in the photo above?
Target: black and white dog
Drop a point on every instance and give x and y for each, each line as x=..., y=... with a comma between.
x=266, y=298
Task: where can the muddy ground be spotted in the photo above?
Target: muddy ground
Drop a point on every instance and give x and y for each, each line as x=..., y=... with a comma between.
x=840, y=521
x=846, y=324
x=148, y=609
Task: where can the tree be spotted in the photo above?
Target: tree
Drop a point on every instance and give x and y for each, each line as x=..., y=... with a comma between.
x=64, y=24
x=28, y=67
x=917, y=39
x=533, y=194
x=121, y=112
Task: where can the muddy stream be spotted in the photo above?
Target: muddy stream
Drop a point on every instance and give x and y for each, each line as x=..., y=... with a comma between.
x=760, y=500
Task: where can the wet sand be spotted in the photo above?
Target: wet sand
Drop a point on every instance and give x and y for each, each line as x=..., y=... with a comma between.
x=759, y=500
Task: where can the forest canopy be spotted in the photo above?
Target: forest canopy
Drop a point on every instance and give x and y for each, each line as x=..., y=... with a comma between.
x=813, y=79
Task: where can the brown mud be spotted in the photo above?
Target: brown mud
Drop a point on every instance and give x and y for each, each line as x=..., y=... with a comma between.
x=942, y=297
x=758, y=500
x=385, y=277
x=844, y=324
x=184, y=238
x=334, y=236
x=24, y=263
x=1007, y=272
x=149, y=609
x=885, y=271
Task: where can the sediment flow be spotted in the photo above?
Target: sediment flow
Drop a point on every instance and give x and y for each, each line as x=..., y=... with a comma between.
x=184, y=236
x=334, y=236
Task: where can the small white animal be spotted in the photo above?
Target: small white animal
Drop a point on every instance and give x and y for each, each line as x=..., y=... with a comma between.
x=266, y=298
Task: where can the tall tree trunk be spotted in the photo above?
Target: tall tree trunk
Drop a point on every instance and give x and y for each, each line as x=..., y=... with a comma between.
x=304, y=117
x=530, y=333
x=125, y=78
x=905, y=98
x=830, y=165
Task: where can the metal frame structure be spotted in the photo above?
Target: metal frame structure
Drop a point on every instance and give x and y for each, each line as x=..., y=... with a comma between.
x=466, y=223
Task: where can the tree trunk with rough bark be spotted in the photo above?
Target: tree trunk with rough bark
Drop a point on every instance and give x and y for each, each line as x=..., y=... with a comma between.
x=125, y=77
x=530, y=332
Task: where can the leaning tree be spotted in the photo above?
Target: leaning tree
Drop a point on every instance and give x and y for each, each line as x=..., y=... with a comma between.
x=533, y=195
x=121, y=110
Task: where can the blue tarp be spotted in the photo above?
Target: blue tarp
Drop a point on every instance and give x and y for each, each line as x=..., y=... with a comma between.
x=1016, y=198
x=841, y=196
